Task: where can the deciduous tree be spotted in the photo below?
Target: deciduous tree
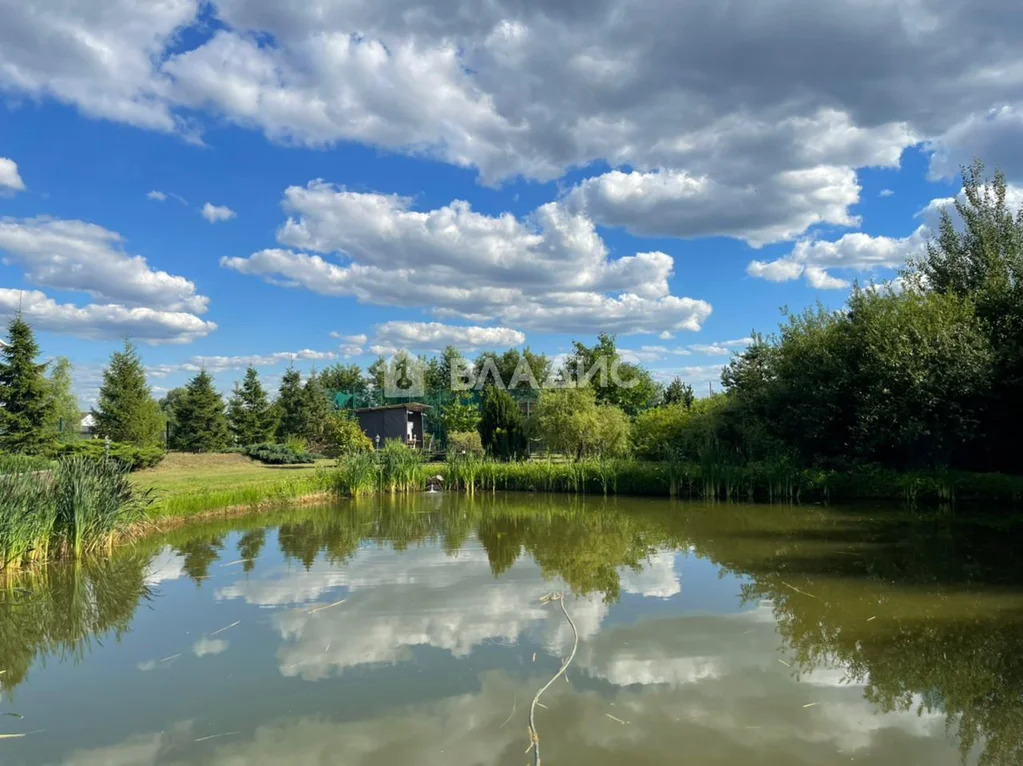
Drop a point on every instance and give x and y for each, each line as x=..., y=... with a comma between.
x=65, y=417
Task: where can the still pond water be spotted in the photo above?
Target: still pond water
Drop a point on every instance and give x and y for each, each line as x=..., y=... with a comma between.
x=411, y=631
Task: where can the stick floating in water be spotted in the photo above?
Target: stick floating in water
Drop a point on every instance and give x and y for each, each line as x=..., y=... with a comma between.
x=534, y=736
x=227, y=627
x=328, y=606
x=215, y=736
x=515, y=702
x=797, y=590
x=614, y=718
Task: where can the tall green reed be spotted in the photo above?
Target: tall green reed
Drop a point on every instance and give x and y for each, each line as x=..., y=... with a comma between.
x=76, y=508
x=395, y=468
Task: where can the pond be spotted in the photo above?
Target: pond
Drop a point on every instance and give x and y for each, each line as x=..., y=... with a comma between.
x=413, y=631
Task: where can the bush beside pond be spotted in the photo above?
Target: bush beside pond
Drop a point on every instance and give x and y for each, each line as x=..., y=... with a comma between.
x=132, y=457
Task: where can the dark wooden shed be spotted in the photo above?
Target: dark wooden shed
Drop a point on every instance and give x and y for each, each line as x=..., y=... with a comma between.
x=393, y=421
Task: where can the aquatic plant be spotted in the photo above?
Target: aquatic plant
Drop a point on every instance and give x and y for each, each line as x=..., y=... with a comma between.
x=81, y=505
x=397, y=468
x=400, y=467
x=354, y=475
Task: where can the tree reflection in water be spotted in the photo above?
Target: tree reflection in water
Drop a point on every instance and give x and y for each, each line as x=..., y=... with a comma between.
x=924, y=613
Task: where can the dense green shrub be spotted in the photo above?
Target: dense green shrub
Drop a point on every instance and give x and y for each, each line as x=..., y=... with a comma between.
x=465, y=443
x=343, y=435
x=279, y=454
x=570, y=421
x=660, y=431
x=132, y=458
x=13, y=463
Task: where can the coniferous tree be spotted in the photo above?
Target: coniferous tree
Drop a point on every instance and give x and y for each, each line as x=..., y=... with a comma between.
x=678, y=392
x=346, y=378
x=290, y=406
x=126, y=411
x=25, y=402
x=250, y=415
x=64, y=415
x=501, y=427
x=202, y=426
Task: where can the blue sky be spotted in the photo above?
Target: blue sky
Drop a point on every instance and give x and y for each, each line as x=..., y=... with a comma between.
x=407, y=174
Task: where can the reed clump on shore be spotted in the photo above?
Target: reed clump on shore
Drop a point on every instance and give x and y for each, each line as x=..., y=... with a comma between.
x=77, y=507
x=399, y=470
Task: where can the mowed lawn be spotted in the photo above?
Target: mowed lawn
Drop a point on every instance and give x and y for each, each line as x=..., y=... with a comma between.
x=186, y=483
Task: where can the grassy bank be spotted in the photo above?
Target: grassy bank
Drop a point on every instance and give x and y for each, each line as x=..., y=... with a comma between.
x=184, y=484
x=760, y=482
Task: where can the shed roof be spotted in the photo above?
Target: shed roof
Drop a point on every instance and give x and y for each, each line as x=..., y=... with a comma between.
x=408, y=406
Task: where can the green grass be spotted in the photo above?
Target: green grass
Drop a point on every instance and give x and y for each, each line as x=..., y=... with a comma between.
x=185, y=484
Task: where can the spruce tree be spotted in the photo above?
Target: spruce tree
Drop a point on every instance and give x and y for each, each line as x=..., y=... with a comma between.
x=501, y=426
x=678, y=392
x=202, y=426
x=64, y=417
x=126, y=411
x=250, y=416
x=24, y=393
x=290, y=406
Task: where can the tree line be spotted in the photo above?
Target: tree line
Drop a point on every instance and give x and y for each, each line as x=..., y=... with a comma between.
x=39, y=411
x=925, y=373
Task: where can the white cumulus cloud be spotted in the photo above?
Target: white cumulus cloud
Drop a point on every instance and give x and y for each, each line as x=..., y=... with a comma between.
x=104, y=321
x=433, y=336
x=80, y=256
x=759, y=211
x=214, y=364
x=857, y=252
x=217, y=213
x=10, y=179
x=551, y=272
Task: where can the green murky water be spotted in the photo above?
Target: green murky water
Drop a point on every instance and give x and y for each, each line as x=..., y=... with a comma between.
x=708, y=635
